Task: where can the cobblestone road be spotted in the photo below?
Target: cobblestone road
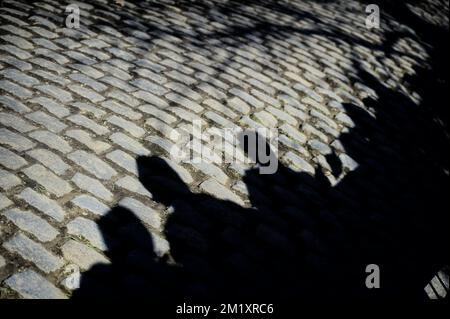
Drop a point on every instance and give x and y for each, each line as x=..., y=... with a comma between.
x=78, y=106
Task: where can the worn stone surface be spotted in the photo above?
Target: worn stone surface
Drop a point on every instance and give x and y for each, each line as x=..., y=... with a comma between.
x=31, y=285
x=33, y=252
x=79, y=107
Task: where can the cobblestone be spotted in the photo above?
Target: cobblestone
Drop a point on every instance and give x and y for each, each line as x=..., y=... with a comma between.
x=13, y=104
x=143, y=212
x=31, y=285
x=52, y=140
x=55, y=108
x=123, y=160
x=87, y=229
x=33, y=252
x=14, y=140
x=133, y=185
x=48, y=180
x=4, y=202
x=10, y=159
x=128, y=126
x=212, y=187
x=78, y=107
x=88, y=123
x=93, y=186
x=59, y=94
x=43, y=204
x=15, y=89
x=92, y=164
x=8, y=180
x=84, y=138
x=82, y=255
x=51, y=123
x=129, y=144
x=91, y=204
x=30, y=223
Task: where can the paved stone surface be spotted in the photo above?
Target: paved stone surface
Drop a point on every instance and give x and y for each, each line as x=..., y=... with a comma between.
x=78, y=107
x=31, y=285
x=32, y=224
x=33, y=252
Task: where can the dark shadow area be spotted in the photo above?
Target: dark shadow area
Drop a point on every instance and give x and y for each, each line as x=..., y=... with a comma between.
x=303, y=239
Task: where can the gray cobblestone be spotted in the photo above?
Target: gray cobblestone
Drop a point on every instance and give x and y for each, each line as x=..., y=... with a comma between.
x=92, y=164
x=182, y=101
x=88, y=123
x=92, y=186
x=13, y=104
x=87, y=93
x=220, y=108
x=299, y=163
x=146, y=214
x=88, y=230
x=10, y=159
x=16, y=122
x=49, y=122
x=128, y=126
x=151, y=87
x=122, y=85
x=42, y=203
x=84, y=79
x=56, y=92
x=12, y=49
x=8, y=180
x=32, y=224
x=58, y=58
x=14, y=140
x=294, y=133
x=82, y=255
x=50, y=160
x=129, y=144
x=19, y=77
x=239, y=105
x=16, y=30
x=121, y=110
x=31, y=285
x=52, y=140
x=123, y=97
x=4, y=202
x=183, y=90
x=91, y=204
x=123, y=160
x=88, y=70
x=45, y=43
x=34, y=252
x=15, y=89
x=47, y=179
x=89, y=109
x=151, y=98
x=80, y=57
x=85, y=139
x=211, y=186
x=133, y=185
x=320, y=147
x=53, y=107
x=169, y=119
x=19, y=64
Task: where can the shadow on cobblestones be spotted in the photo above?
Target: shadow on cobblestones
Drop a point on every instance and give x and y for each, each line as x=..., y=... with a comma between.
x=307, y=239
